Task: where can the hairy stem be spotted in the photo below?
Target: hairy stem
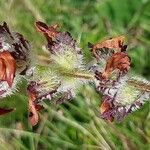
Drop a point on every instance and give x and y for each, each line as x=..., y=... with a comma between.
x=139, y=85
x=81, y=75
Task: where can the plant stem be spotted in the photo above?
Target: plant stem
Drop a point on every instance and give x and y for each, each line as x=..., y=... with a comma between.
x=82, y=75
x=140, y=85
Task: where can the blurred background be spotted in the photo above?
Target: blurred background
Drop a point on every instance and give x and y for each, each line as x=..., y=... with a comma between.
x=77, y=125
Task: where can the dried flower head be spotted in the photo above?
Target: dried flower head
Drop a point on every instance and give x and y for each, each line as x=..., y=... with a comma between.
x=121, y=97
x=115, y=44
x=121, y=94
x=14, y=59
x=67, y=59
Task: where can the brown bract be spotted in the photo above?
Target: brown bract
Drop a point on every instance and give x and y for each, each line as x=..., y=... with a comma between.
x=116, y=44
x=7, y=67
x=120, y=61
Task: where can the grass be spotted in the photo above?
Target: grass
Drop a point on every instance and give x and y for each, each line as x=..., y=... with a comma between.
x=77, y=125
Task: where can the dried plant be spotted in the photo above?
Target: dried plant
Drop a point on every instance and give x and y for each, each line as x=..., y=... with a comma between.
x=63, y=71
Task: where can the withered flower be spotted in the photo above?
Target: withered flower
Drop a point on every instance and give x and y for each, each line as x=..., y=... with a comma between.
x=40, y=86
x=122, y=97
x=50, y=32
x=60, y=79
x=118, y=103
x=66, y=58
x=115, y=44
x=121, y=93
x=14, y=59
x=33, y=107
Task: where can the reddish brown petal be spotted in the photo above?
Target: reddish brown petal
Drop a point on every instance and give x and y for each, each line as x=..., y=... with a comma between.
x=109, y=117
x=33, y=109
x=49, y=32
x=38, y=107
x=33, y=113
x=4, y=111
x=7, y=67
x=120, y=61
x=114, y=43
x=2, y=69
x=105, y=111
x=105, y=106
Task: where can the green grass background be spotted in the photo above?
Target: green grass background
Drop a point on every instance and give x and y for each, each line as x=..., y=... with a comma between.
x=77, y=125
